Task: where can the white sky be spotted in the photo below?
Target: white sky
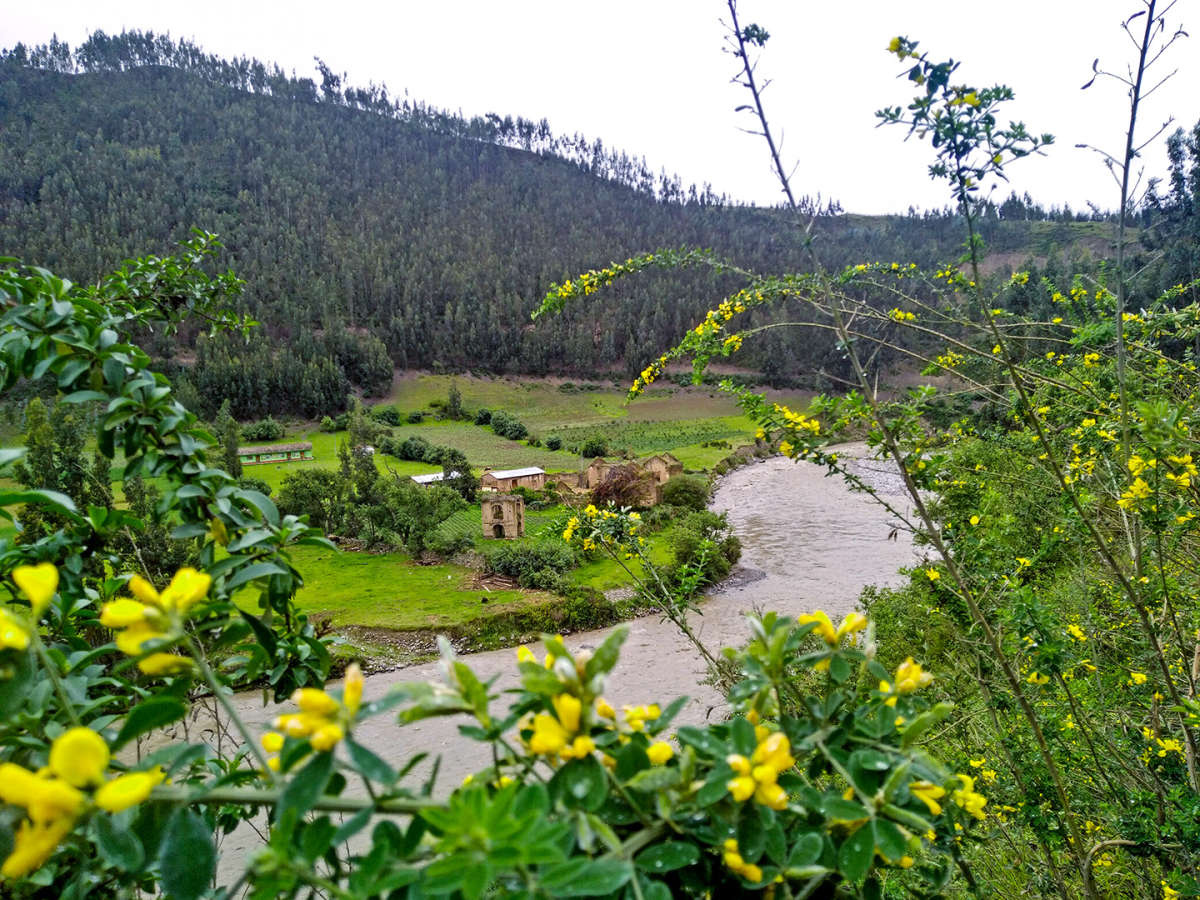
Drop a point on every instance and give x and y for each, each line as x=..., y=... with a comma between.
x=649, y=77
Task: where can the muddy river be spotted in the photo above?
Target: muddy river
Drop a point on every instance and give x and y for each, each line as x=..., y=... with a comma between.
x=808, y=543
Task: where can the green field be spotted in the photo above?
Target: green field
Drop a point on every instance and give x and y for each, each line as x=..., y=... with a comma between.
x=391, y=591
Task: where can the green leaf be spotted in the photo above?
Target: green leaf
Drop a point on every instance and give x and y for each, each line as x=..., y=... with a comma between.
x=806, y=851
x=149, y=715
x=655, y=779
x=855, y=855
x=704, y=743
x=889, y=839
x=595, y=878
x=118, y=845
x=667, y=857
x=306, y=785
x=839, y=669
x=583, y=783
x=253, y=571
x=368, y=763
x=187, y=858
x=606, y=655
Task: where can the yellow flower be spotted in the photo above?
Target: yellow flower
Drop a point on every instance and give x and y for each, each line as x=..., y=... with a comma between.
x=128, y=790
x=824, y=627
x=272, y=741
x=853, y=623
x=124, y=612
x=579, y=748
x=1036, y=677
x=738, y=763
x=604, y=709
x=1076, y=632
x=567, y=708
x=164, y=664
x=327, y=736
x=659, y=752
x=39, y=584
x=974, y=520
x=353, y=690
x=33, y=844
x=79, y=757
x=1137, y=677
x=549, y=737
x=43, y=798
x=315, y=701
x=933, y=574
x=524, y=654
x=742, y=788
x=775, y=752
x=910, y=676
x=13, y=635
x=929, y=794
x=771, y=795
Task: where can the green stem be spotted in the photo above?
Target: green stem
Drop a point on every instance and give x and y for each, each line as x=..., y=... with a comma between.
x=218, y=690
x=250, y=796
x=55, y=678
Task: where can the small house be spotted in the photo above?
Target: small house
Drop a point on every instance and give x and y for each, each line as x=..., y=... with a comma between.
x=503, y=516
x=275, y=453
x=504, y=480
x=432, y=478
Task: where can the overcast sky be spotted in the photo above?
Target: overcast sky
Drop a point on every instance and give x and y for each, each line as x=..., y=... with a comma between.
x=649, y=77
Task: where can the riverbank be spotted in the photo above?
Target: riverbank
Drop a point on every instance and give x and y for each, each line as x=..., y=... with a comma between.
x=808, y=543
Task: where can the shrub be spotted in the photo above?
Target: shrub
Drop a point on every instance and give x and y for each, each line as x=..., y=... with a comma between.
x=483, y=416
x=255, y=484
x=687, y=491
x=263, y=430
x=416, y=417
x=316, y=493
x=507, y=425
x=327, y=425
x=554, y=442
x=705, y=538
x=593, y=447
x=524, y=560
x=386, y=414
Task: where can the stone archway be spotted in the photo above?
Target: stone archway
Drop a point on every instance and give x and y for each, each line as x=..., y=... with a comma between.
x=498, y=530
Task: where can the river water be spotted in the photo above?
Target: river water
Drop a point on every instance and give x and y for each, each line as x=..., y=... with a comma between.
x=807, y=543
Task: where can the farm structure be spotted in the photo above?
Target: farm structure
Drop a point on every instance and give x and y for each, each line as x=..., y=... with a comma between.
x=433, y=478
x=275, y=453
x=504, y=480
x=503, y=516
x=651, y=473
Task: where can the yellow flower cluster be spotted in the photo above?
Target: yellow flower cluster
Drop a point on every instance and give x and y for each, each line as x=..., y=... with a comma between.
x=757, y=776
x=899, y=315
x=1139, y=490
x=323, y=719
x=970, y=800
x=949, y=359
x=733, y=860
x=648, y=375
x=54, y=797
x=154, y=616
x=910, y=677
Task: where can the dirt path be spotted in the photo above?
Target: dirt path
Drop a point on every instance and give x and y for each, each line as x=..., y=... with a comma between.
x=808, y=543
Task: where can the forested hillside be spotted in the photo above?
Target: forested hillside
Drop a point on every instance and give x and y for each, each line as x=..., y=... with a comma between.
x=372, y=232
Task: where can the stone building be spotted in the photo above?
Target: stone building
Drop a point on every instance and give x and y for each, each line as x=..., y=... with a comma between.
x=504, y=480
x=503, y=516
